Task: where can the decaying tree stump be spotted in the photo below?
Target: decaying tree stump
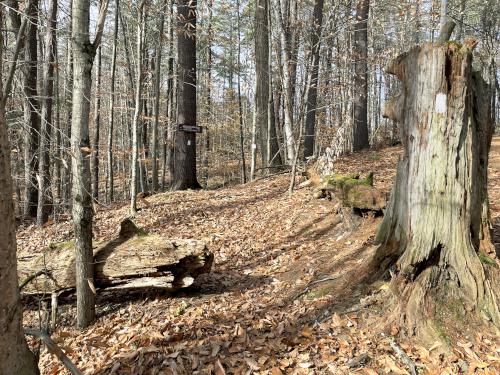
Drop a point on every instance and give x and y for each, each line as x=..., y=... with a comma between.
x=436, y=222
x=133, y=259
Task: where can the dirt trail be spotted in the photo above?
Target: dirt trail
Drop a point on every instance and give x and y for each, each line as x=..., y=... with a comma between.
x=254, y=312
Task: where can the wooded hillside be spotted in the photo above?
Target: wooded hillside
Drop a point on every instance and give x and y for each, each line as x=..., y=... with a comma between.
x=249, y=186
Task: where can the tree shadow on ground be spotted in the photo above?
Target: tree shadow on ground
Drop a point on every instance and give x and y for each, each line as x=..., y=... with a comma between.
x=345, y=296
x=235, y=202
x=110, y=300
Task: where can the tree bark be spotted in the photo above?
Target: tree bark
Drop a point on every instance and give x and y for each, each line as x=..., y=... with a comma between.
x=66, y=178
x=138, y=107
x=185, y=142
x=240, y=106
x=15, y=356
x=97, y=126
x=83, y=57
x=168, y=134
x=154, y=153
x=45, y=202
x=436, y=220
x=31, y=112
x=313, y=89
x=262, y=75
x=112, y=106
x=360, y=49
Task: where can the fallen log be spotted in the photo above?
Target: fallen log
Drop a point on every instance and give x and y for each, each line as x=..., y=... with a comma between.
x=134, y=259
x=352, y=191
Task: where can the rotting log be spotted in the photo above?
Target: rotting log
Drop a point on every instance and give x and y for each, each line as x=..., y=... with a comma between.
x=351, y=190
x=436, y=222
x=134, y=259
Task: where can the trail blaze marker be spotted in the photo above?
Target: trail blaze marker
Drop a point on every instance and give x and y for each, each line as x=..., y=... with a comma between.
x=190, y=128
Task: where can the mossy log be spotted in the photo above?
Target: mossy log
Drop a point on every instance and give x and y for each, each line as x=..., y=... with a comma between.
x=352, y=191
x=436, y=222
x=133, y=259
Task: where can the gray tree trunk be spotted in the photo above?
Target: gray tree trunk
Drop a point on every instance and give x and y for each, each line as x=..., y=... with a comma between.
x=97, y=126
x=83, y=57
x=141, y=14
x=312, y=98
x=45, y=202
x=15, y=356
x=185, y=142
x=156, y=95
x=66, y=178
x=112, y=107
x=240, y=106
x=168, y=136
x=360, y=50
x=31, y=112
x=262, y=76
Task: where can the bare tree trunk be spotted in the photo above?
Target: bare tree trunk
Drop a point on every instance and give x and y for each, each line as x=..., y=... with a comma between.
x=434, y=226
x=97, y=125
x=287, y=15
x=460, y=26
x=112, y=106
x=168, y=136
x=15, y=357
x=185, y=142
x=272, y=146
x=84, y=54
x=31, y=112
x=206, y=142
x=313, y=89
x=262, y=76
x=443, y=14
x=66, y=178
x=240, y=107
x=58, y=155
x=360, y=49
x=141, y=15
x=45, y=203
x=154, y=153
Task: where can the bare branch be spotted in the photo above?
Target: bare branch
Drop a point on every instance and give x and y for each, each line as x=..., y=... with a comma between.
x=100, y=24
x=54, y=349
x=12, y=69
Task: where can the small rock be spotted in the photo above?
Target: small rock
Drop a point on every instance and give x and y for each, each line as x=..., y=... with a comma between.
x=318, y=194
x=463, y=366
x=359, y=361
x=304, y=184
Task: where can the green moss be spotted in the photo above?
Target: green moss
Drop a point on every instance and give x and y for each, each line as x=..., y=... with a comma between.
x=321, y=292
x=345, y=182
x=61, y=246
x=181, y=309
x=449, y=312
x=369, y=179
x=486, y=259
x=440, y=331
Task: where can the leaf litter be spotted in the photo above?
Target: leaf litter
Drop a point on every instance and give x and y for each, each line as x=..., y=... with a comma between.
x=249, y=316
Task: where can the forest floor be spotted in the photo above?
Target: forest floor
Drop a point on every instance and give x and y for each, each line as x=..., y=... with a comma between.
x=259, y=310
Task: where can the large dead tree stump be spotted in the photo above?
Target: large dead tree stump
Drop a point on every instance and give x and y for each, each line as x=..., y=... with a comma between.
x=436, y=222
